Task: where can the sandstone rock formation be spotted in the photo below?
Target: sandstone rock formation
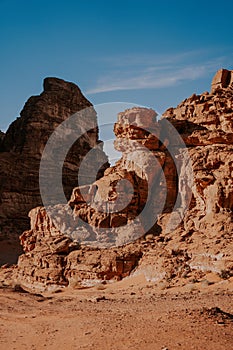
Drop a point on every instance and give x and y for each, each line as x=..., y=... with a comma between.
x=21, y=149
x=153, y=173
x=222, y=79
x=203, y=239
x=52, y=259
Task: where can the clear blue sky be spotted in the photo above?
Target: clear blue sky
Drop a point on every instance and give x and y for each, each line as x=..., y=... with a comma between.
x=153, y=53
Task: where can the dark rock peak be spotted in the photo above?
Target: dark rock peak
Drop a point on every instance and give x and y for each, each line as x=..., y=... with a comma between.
x=22, y=146
x=56, y=103
x=2, y=134
x=56, y=84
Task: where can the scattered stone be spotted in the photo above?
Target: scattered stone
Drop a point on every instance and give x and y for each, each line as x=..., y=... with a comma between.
x=98, y=299
x=220, y=316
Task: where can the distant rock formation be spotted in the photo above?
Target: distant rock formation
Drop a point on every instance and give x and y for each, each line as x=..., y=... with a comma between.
x=200, y=242
x=21, y=149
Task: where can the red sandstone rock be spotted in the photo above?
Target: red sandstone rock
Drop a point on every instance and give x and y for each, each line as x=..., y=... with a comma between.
x=222, y=79
x=21, y=149
x=174, y=250
x=53, y=259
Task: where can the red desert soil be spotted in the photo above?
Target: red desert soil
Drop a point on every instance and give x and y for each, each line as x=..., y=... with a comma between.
x=131, y=314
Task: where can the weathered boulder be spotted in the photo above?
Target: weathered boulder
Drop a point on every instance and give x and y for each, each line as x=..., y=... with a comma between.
x=222, y=79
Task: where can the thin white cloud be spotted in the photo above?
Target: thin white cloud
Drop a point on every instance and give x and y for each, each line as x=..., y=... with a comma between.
x=129, y=60
x=142, y=74
x=147, y=80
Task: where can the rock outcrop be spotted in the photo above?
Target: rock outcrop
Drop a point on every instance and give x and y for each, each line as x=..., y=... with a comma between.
x=222, y=79
x=53, y=259
x=203, y=241
x=176, y=240
x=21, y=149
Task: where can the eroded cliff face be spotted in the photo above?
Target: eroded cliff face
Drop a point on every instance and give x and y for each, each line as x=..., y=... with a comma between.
x=53, y=259
x=21, y=149
x=205, y=123
x=203, y=240
x=163, y=245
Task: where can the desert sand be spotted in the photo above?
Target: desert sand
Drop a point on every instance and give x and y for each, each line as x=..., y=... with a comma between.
x=130, y=314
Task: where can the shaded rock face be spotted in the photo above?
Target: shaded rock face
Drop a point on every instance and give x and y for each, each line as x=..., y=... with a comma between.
x=172, y=250
x=1, y=137
x=22, y=146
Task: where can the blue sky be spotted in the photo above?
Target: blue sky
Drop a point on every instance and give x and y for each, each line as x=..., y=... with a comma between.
x=150, y=53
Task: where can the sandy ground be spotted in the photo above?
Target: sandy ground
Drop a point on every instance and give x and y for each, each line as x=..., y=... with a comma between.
x=131, y=314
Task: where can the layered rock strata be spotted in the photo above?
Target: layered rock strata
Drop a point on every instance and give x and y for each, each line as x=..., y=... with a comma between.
x=21, y=149
x=53, y=259
x=203, y=242
x=180, y=244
